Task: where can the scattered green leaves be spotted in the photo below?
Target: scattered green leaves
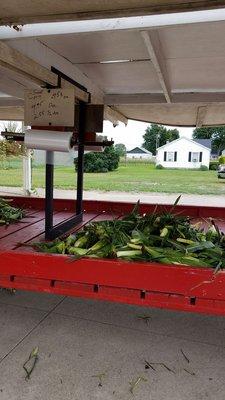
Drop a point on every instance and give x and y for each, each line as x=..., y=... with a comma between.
x=30, y=363
x=8, y=213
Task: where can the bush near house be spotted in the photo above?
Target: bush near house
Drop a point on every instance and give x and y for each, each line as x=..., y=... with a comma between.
x=213, y=165
x=106, y=161
x=221, y=160
x=204, y=168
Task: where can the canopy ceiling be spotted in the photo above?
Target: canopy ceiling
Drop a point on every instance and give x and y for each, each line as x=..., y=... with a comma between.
x=172, y=75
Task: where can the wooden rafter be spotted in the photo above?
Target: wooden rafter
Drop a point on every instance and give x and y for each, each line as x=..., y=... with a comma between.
x=155, y=52
x=157, y=98
x=114, y=116
x=16, y=61
x=200, y=117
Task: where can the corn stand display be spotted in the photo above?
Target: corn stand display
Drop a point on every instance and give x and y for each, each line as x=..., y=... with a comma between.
x=141, y=283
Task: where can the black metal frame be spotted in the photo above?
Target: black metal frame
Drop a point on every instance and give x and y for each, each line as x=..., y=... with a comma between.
x=51, y=231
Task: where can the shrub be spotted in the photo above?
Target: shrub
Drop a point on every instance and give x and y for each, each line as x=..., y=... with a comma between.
x=159, y=166
x=106, y=161
x=213, y=165
x=204, y=168
x=221, y=160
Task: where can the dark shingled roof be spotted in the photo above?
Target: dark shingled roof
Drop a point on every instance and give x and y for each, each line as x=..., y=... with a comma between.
x=204, y=142
x=138, y=150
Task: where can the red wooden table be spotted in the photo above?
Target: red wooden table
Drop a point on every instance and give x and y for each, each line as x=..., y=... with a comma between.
x=146, y=284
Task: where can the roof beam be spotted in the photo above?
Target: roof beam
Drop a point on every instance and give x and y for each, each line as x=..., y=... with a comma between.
x=11, y=102
x=69, y=12
x=200, y=117
x=25, y=66
x=114, y=116
x=47, y=57
x=135, y=23
x=13, y=60
x=153, y=45
x=11, y=113
x=158, y=98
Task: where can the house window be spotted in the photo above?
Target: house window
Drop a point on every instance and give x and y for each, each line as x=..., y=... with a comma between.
x=195, y=157
x=170, y=156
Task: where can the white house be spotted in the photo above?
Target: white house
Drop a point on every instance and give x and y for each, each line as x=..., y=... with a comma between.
x=139, y=153
x=184, y=153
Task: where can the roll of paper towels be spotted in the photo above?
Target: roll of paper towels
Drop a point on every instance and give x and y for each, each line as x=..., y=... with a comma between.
x=48, y=140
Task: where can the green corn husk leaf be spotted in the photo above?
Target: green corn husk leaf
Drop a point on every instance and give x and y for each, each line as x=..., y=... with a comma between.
x=200, y=246
x=77, y=251
x=128, y=253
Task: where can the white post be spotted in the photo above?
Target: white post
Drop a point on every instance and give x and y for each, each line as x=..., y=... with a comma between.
x=27, y=172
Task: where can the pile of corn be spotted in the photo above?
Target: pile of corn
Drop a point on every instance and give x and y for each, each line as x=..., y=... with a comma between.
x=9, y=214
x=157, y=237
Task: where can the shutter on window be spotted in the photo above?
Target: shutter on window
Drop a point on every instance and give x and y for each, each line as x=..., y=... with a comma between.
x=200, y=157
x=165, y=154
x=189, y=156
x=175, y=156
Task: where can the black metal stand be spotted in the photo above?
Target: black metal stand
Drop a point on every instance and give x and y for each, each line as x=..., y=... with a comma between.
x=52, y=232
x=80, y=166
x=49, y=186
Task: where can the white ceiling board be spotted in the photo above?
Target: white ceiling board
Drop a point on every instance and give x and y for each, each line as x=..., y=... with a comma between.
x=133, y=77
x=197, y=74
x=98, y=46
x=193, y=41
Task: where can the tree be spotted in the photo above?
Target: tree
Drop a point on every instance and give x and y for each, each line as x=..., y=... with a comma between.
x=158, y=135
x=216, y=133
x=12, y=126
x=106, y=161
x=120, y=149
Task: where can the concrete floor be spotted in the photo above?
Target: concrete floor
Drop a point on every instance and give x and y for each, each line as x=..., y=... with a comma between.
x=149, y=198
x=79, y=339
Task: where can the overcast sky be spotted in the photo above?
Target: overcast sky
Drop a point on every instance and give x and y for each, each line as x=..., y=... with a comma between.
x=131, y=135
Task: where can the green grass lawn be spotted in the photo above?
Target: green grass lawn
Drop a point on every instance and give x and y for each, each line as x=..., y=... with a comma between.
x=130, y=178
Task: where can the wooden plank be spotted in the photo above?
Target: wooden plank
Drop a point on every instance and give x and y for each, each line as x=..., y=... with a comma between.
x=151, y=98
x=59, y=217
x=78, y=93
x=11, y=113
x=200, y=117
x=152, y=43
x=96, y=9
x=30, y=219
x=29, y=232
x=114, y=116
x=16, y=61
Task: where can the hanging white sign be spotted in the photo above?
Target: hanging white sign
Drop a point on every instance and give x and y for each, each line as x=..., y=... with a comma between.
x=46, y=107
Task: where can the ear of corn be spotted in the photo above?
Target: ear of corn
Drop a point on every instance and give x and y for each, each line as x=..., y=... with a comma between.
x=167, y=238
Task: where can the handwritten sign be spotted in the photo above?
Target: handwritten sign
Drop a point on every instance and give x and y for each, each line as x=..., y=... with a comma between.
x=49, y=107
